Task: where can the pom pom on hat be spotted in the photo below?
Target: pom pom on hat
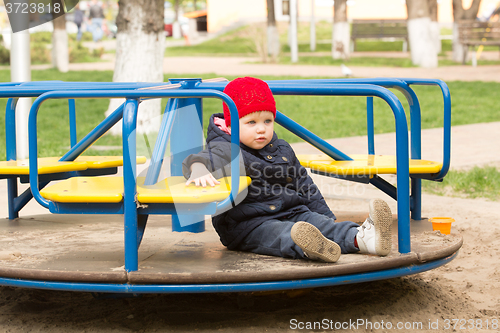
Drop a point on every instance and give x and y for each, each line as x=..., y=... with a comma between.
x=250, y=95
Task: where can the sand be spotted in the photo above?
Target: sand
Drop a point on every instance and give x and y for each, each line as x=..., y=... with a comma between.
x=466, y=289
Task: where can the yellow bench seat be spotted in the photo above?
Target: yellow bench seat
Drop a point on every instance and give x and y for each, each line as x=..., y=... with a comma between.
x=110, y=190
x=365, y=165
x=48, y=165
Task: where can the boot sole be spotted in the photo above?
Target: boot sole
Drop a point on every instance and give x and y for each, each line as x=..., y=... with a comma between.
x=313, y=243
x=382, y=219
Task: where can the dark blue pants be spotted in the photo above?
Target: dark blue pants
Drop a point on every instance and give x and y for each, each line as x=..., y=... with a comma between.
x=273, y=236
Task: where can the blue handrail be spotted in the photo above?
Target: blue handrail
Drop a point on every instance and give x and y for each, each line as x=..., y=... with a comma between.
x=357, y=89
x=135, y=94
x=445, y=91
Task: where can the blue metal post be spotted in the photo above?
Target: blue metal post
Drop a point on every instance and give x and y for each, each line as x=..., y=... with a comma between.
x=183, y=142
x=129, y=182
x=11, y=152
x=161, y=142
x=72, y=122
x=370, y=125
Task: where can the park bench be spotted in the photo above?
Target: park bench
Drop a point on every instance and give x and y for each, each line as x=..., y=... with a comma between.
x=379, y=29
x=476, y=33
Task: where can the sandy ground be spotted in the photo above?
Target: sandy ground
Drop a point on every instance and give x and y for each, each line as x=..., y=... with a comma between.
x=461, y=296
x=466, y=289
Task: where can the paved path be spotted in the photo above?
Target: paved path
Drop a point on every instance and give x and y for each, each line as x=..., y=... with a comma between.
x=220, y=66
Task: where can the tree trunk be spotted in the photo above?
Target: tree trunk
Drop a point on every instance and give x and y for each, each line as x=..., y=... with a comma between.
x=459, y=14
x=435, y=29
x=139, y=55
x=341, y=34
x=60, y=51
x=422, y=46
x=293, y=31
x=273, y=38
x=312, y=28
x=176, y=27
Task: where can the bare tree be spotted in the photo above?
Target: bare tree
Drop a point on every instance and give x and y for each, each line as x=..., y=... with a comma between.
x=341, y=34
x=459, y=14
x=176, y=26
x=140, y=44
x=435, y=29
x=273, y=38
x=60, y=51
x=422, y=46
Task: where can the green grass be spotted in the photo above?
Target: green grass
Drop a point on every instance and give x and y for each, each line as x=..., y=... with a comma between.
x=235, y=42
x=355, y=61
x=475, y=183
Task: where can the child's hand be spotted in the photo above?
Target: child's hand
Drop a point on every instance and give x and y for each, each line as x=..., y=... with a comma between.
x=201, y=176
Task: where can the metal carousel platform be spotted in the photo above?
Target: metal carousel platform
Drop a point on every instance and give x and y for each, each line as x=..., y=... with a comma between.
x=85, y=253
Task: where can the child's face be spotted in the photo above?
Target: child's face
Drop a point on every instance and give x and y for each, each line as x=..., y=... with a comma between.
x=256, y=129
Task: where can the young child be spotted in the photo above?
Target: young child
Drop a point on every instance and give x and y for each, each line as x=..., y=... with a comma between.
x=284, y=213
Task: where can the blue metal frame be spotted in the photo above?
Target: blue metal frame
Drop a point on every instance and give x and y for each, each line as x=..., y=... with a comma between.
x=135, y=217
x=129, y=156
x=402, y=85
x=14, y=91
x=323, y=88
x=403, y=192
x=229, y=287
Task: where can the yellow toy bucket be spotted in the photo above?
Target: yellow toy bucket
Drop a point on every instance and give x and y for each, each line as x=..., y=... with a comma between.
x=441, y=223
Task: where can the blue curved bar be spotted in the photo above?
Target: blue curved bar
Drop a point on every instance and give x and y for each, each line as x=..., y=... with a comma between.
x=131, y=94
x=10, y=129
x=446, y=121
x=230, y=287
x=402, y=85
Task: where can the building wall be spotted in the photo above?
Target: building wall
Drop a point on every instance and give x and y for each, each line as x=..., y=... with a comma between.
x=222, y=13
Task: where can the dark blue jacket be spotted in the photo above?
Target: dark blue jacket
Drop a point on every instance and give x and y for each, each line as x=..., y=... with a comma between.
x=280, y=186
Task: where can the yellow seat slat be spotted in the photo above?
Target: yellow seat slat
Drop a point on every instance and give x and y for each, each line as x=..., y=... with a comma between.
x=85, y=189
x=48, y=165
x=174, y=190
x=110, y=190
x=101, y=162
x=365, y=165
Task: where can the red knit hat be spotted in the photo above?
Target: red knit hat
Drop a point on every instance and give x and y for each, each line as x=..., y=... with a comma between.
x=250, y=95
